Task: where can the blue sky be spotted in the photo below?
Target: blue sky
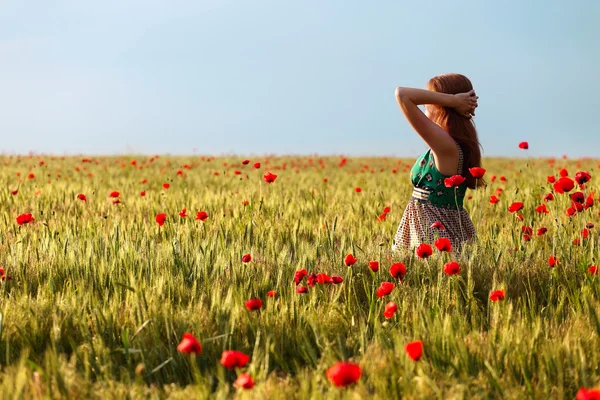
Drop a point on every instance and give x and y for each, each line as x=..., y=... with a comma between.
x=302, y=77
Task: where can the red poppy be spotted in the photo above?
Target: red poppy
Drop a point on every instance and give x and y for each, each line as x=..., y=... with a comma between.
x=414, y=350
x=516, y=206
x=477, y=172
x=493, y=178
x=245, y=162
x=390, y=310
x=541, y=231
x=386, y=210
x=201, y=215
x=189, y=344
x=455, y=180
x=257, y=165
x=160, y=219
x=166, y=185
x=231, y=359
x=424, y=250
x=82, y=197
x=582, y=177
x=246, y=258
x=323, y=279
x=381, y=217
x=497, y=295
x=117, y=201
x=398, y=270
x=438, y=225
x=551, y=179
x=527, y=230
x=452, y=268
x=244, y=381
x=549, y=197
x=578, y=197
x=552, y=261
x=142, y=193
x=524, y=145
x=542, y=209
x=358, y=190
x=299, y=275
x=526, y=237
x=254, y=304
x=503, y=179
x=3, y=275
x=336, y=279
x=25, y=219
x=585, y=233
x=183, y=212
x=342, y=374
x=588, y=394
x=374, y=266
x=115, y=194
x=563, y=185
x=571, y=211
x=271, y=293
x=592, y=269
x=563, y=172
x=14, y=192
x=301, y=289
x=589, y=201
x=350, y=260
x=269, y=177
x=576, y=242
x=494, y=199
x=589, y=225
x=443, y=244
x=237, y=172
x=577, y=206
x=384, y=289
x=31, y=176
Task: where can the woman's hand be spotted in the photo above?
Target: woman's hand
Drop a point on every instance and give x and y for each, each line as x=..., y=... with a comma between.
x=466, y=103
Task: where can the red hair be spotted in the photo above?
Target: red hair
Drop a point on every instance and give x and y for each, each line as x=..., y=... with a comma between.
x=462, y=129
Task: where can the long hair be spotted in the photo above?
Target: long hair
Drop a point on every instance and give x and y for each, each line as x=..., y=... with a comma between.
x=460, y=128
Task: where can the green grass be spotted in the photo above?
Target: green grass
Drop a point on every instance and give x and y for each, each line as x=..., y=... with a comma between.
x=101, y=294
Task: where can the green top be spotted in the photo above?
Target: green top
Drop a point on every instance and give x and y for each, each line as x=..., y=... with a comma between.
x=426, y=177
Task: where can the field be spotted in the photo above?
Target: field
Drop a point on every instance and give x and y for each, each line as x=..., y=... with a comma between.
x=96, y=294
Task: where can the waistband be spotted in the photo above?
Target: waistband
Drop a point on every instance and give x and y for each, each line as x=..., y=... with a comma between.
x=420, y=194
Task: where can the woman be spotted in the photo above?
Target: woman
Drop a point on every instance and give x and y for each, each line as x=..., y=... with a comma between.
x=436, y=210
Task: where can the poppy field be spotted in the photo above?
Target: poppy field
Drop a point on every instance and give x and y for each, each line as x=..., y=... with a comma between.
x=273, y=277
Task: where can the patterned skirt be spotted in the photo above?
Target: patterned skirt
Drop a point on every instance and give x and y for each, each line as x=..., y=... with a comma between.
x=417, y=226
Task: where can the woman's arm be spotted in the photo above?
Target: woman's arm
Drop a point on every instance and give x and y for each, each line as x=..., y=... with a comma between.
x=438, y=139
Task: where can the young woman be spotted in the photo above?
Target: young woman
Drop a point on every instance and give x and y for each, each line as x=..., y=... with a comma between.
x=447, y=127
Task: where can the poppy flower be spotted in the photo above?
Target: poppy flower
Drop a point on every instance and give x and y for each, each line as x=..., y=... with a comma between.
x=398, y=270
x=374, y=266
x=592, y=269
x=589, y=225
x=350, y=260
x=166, y=185
x=384, y=289
x=588, y=394
x=585, y=233
x=551, y=179
x=438, y=225
x=516, y=206
x=414, y=350
x=552, y=261
x=386, y=210
x=31, y=176
x=299, y=275
x=231, y=359
x=424, y=250
x=115, y=194
x=160, y=219
x=541, y=231
x=336, y=279
x=526, y=237
x=14, y=192
x=589, y=201
x=542, y=209
x=563, y=172
x=527, y=230
x=301, y=289
x=254, y=304
x=189, y=344
x=455, y=180
x=524, y=145
x=3, y=275
x=25, y=218
x=577, y=206
x=578, y=197
x=271, y=293
x=323, y=279
x=477, y=172
x=245, y=162
x=571, y=211
x=563, y=185
x=497, y=295
x=269, y=177
x=342, y=374
x=503, y=179
x=237, y=172
x=142, y=193
x=183, y=213
x=494, y=199
x=201, y=215
x=452, y=268
x=576, y=242
x=381, y=217
x=549, y=197
x=582, y=177
x=358, y=190
x=246, y=258
x=493, y=178
x=257, y=165
x=443, y=244
x=390, y=310
x=244, y=381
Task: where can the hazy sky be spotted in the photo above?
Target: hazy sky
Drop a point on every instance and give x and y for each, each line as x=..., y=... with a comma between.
x=283, y=76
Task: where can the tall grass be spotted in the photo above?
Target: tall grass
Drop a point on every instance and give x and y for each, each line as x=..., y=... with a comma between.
x=101, y=294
